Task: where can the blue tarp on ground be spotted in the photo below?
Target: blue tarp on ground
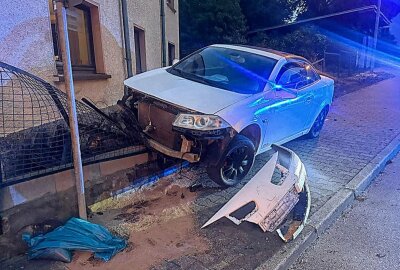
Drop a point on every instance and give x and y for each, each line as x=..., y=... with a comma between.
x=76, y=234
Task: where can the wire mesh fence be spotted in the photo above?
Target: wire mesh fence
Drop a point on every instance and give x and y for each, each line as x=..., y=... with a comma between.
x=35, y=137
x=340, y=63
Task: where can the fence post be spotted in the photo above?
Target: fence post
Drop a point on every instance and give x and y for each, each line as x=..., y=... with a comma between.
x=376, y=33
x=73, y=121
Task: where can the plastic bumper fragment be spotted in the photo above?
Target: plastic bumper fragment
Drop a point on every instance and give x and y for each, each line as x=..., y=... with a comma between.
x=279, y=193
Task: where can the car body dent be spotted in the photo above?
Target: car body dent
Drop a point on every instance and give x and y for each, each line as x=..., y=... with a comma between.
x=273, y=201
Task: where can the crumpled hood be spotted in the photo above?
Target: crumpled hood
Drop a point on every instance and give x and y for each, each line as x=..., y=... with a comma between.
x=182, y=92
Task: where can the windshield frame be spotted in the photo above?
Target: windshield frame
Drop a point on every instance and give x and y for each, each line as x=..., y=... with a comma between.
x=192, y=77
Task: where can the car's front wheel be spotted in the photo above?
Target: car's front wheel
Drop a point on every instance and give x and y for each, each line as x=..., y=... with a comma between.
x=235, y=163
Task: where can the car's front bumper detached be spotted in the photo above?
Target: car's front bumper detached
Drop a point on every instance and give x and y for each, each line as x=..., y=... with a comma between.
x=278, y=196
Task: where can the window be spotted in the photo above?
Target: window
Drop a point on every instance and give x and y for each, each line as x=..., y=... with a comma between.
x=140, y=50
x=171, y=5
x=80, y=36
x=233, y=70
x=171, y=53
x=84, y=34
x=296, y=75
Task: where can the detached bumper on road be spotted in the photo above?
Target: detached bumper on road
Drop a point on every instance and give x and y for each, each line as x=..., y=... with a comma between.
x=278, y=196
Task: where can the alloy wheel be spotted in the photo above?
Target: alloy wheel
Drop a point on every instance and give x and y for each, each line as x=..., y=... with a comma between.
x=319, y=123
x=237, y=164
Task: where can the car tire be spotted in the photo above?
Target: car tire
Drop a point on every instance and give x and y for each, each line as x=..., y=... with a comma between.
x=318, y=124
x=235, y=162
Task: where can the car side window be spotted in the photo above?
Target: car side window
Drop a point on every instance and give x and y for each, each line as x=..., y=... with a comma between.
x=296, y=75
x=312, y=76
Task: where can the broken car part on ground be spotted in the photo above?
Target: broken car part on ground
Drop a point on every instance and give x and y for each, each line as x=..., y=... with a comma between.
x=276, y=198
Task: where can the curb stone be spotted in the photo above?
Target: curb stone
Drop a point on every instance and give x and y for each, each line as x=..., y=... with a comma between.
x=332, y=209
x=290, y=251
x=364, y=178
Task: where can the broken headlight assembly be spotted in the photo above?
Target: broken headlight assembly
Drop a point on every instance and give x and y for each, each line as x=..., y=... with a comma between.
x=201, y=126
x=200, y=122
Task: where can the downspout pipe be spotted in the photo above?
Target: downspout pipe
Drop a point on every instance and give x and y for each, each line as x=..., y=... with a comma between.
x=127, y=41
x=163, y=39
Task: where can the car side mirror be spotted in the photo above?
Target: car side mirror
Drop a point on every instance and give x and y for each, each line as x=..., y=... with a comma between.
x=175, y=61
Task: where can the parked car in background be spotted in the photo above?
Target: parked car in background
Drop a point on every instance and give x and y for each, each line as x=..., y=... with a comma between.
x=225, y=104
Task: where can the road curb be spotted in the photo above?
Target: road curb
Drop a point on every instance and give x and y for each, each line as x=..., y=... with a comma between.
x=332, y=209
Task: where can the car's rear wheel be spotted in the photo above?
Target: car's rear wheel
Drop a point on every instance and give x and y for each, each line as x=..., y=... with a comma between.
x=235, y=163
x=318, y=124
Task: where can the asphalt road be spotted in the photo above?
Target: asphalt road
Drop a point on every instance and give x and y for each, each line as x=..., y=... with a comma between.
x=366, y=236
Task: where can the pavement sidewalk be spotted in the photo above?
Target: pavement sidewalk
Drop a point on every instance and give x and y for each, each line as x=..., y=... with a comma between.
x=366, y=236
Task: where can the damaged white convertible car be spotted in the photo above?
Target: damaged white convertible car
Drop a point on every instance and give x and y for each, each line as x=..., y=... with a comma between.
x=276, y=198
x=224, y=104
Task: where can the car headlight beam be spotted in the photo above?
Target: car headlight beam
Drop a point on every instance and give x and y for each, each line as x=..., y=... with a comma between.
x=200, y=122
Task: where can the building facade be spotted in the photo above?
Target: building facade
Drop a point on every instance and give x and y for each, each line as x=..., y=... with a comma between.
x=29, y=40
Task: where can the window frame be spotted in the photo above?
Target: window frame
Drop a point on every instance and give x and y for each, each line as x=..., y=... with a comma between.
x=84, y=72
x=89, y=27
x=140, y=33
x=170, y=61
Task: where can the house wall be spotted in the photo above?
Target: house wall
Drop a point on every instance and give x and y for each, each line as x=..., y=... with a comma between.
x=172, y=27
x=25, y=37
x=26, y=42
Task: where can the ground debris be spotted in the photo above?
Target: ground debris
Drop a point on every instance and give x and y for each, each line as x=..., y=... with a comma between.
x=380, y=255
x=361, y=198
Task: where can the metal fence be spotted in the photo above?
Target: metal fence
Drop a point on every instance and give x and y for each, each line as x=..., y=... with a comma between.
x=34, y=130
x=342, y=63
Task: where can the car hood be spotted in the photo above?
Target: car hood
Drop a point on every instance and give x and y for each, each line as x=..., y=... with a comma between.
x=183, y=92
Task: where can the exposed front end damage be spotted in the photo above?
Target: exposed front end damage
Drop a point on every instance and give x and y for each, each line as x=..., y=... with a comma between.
x=277, y=198
x=154, y=119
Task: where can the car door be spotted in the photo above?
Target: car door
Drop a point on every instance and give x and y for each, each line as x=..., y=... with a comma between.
x=316, y=89
x=293, y=98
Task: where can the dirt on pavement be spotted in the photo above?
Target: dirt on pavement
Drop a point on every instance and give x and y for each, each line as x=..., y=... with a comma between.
x=157, y=223
x=150, y=247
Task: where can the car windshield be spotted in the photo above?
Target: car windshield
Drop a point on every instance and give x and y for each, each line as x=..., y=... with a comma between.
x=229, y=69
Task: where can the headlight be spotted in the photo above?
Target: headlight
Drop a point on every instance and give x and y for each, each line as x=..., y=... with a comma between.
x=200, y=122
